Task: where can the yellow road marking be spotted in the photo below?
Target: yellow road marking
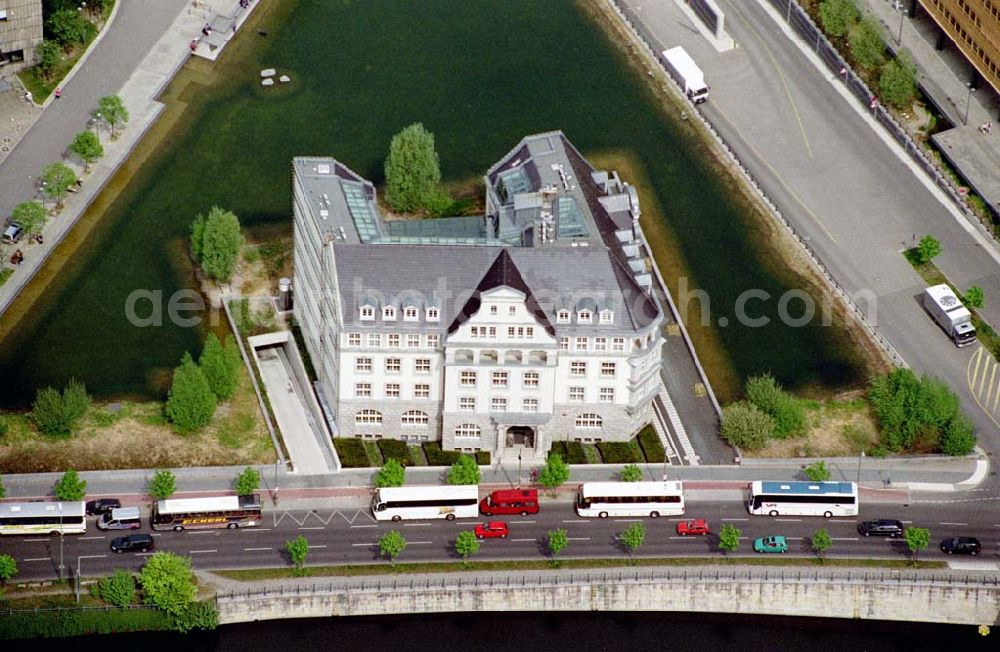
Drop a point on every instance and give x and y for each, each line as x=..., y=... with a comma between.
x=784, y=82
x=992, y=388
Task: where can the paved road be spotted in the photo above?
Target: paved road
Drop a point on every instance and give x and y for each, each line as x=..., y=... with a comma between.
x=836, y=179
x=344, y=532
x=138, y=24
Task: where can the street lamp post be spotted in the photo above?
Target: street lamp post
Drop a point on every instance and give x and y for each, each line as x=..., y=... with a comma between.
x=860, y=457
x=899, y=39
x=518, y=469
x=59, y=570
x=968, y=101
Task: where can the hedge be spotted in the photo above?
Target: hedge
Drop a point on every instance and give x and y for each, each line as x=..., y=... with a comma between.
x=618, y=452
x=438, y=457
x=351, y=452
x=66, y=623
x=395, y=448
x=483, y=458
x=651, y=445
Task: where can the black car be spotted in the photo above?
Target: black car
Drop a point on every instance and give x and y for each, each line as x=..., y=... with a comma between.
x=99, y=507
x=132, y=543
x=881, y=528
x=961, y=546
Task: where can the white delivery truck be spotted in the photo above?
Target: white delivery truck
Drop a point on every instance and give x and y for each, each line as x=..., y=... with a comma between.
x=687, y=73
x=950, y=314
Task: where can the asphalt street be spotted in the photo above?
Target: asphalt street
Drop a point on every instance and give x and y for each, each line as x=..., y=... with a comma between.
x=345, y=532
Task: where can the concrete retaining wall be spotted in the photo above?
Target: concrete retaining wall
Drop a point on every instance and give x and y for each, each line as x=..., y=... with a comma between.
x=912, y=596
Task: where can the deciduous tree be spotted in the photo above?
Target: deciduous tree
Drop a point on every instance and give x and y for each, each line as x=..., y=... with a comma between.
x=216, y=241
x=112, y=110
x=466, y=545
x=56, y=181
x=928, y=249
x=631, y=473
x=412, y=171
x=917, y=539
x=8, y=568
x=88, y=147
x=633, y=537
x=787, y=411
x=746, y=426
x=391, y=545
x=392, y=474
x=464, y=471
x=821, y=542
x=729, y=538
x=974, y=297
x=69, y=28
x=49, y=54
x=867, y=42
x=898, y=81
x=190, y=401
x=838, y=16
x=119, y=589
x=71, y=486
x=31, y=215
x=557, y=542
x=162, y=485
x=817, y=472
x=247, y=482
x=168, y=583
x=554, y=473
x=297, y=549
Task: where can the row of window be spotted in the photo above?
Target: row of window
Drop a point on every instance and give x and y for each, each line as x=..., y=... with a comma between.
x=363, y=365
x=598, y=344
x=499, y=403
x=392, y=390
x=585, y=317
x=410, y=418
x=468, y=378
x=389, y=313
x=393, y=340
x=513, y=332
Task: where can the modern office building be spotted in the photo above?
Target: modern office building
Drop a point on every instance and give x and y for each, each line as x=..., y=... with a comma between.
x=503, y=332
x=974, y=26
x=20, y=34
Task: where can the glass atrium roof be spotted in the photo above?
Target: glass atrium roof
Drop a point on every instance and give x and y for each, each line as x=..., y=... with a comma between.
x=571, y=224
x=364, y=221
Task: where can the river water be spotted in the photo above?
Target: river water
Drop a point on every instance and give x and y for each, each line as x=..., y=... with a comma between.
x=478, y=74
x=551, y=632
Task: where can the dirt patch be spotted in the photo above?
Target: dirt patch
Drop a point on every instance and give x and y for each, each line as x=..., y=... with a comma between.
x=840, y=427
x=137, y=436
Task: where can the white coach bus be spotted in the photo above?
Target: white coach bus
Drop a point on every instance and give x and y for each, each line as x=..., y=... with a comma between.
x=43, y=518
x=450, y=502
x=803, y=498
x=653, y=499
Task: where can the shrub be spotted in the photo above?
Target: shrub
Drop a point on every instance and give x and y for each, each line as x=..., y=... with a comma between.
x=69, y=28
x=199, y=615
x=867, y=42
x=190, y=401
x=788, y=413
x=297, y=549
x=8, y=568
x=554, y=473
x=119, y=589
x=483, y=458
x=62, y=624
x=974, y=297
x=71, y=487
x=168, y=583
x=393, y=448
x=909, y=408
x=351, y=452
x=838, y=16
x=464, y=471
x=438, y=457
x=221, y=365
x=958, y=437
x=617, y=452
x=631, y=473
x=412, y=171
x=928, y=248
x=247, y=482
x=56, y=414
x=898, y=81
x=162, y=485
x=817, y=472
x=651, y=445
x=216, y=242
x=48, y=53
x=746, y=426
x=392, y=474
x=76, y=401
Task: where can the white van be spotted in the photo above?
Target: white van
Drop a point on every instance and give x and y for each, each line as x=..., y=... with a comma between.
x=121, y=518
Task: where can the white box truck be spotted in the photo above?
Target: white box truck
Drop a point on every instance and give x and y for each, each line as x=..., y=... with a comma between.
x=686, y=72
x=950, y=314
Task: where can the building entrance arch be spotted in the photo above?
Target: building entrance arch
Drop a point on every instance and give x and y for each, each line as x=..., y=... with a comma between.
x=521, y=436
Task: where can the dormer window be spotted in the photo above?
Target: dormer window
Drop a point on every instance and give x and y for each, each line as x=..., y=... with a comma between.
x=562, y=317
x=389, y=313
x=607, y=317
x=409, y=314
x=367, y=313
x=433, y=314
x=494, y=310
x=584, y=317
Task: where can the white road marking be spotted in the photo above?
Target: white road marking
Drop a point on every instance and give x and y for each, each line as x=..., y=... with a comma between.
x=91, y=556
x=35, y=540
x=793, y=538
x=145, y=554
x=417, y=524
x=735, y=519
x=311, y=546
x=513, y=522
x=358, y=545
x=577, y=520
x=255, y=549
x=906, y=521
x=261, y=529
x=37, y=559
x=88, y=538
x=419, y=543
x=628, y=520
x=953, y=524
x=788, y=520
x=524, y=540
x=201, y=532
x=578, y=538
x=840, y=520
x=355, y=526
x=844, y=539
x=196, y=552
x=312, y=527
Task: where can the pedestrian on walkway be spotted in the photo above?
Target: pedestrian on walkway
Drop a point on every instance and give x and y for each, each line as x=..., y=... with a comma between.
x=57, y=93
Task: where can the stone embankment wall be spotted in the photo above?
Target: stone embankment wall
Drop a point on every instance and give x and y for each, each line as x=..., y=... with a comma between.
x=941, y=596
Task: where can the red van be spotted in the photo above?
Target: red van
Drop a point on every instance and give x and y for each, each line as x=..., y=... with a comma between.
x=510, y=501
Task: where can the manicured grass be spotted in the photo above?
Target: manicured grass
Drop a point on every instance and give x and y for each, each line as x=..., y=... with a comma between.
x=254, y=574
x=393, y=448
x=652, y=447
x=438, y=457
x=351, y=452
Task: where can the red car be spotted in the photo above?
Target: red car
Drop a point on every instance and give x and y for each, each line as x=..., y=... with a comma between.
x=697, y=526
x=491, y=530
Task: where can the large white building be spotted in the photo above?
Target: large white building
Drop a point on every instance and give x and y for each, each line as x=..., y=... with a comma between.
x=505, y=332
